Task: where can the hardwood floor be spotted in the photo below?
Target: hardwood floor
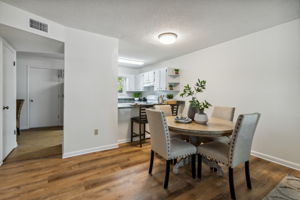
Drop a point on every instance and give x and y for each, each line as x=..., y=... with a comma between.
x=38, y=143
x=123, y=174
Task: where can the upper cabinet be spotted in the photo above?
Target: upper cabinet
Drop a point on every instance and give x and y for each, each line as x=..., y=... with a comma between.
x=130, y=83
x=139, y=82
x=166, y=79
x=148, y=78
x=163, y=79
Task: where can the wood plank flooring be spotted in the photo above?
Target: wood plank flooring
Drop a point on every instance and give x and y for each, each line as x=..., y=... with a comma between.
x=38, y=143
x=123, y=174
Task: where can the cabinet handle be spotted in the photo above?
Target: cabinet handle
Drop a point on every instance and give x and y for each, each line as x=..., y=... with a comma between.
x=5, y=107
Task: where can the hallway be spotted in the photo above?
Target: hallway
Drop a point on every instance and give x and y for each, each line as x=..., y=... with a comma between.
x=38, y=143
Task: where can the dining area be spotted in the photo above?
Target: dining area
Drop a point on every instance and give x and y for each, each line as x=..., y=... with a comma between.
x=183, y=139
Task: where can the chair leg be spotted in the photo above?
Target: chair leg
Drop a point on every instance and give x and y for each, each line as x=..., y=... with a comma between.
x=151, y=161
x=140, y=132
x=175, y=161
x=194, y=166
x=144, y=130
x=131, y=139
x=231, y=183
x=199, y=166
x=166, y=182
x=18, y=131
x=247, y=173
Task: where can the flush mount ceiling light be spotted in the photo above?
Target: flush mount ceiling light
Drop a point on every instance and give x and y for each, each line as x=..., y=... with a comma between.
x=130, y=61
x=167, y=38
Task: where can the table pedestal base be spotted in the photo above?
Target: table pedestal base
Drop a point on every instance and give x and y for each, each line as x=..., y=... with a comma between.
x=187, y=160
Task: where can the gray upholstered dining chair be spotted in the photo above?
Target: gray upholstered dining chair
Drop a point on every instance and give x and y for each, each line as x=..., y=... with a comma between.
x=235, y=153
x=166, y=147
x=165, y=108
x=226, y=113
x=221, y=112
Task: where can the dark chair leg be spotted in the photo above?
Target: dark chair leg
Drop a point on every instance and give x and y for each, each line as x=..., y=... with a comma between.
x=18, y=131
x=175, y=161
x=166, y=182
x=144, y=132
x=194, y=166
x=140, y=132
x=231, y=184
x=151, y=161
x=131, y=139
x=199, y=166
x=247, y=172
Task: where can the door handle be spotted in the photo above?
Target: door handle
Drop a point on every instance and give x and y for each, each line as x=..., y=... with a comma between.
x=31, y=100
x=5, y=107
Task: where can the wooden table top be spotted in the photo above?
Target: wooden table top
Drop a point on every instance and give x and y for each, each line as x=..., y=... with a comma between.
x=214, y=128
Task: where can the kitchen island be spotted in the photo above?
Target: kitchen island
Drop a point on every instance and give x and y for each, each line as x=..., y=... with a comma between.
x=125, y=112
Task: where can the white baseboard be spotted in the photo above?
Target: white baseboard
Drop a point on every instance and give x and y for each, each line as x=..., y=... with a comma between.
x=276, y=160
x=1, y=162
x=90, y=150
x=123, y=141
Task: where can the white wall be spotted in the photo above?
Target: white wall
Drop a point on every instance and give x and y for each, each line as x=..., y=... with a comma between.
x=127, y=71
x=17, y=18
x=259, y=72
x=90, y=92
x=90, y=82
x=24, y=61
x=1, y=101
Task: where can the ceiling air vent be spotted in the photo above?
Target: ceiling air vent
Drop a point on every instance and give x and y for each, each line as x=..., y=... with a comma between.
x=38, y=25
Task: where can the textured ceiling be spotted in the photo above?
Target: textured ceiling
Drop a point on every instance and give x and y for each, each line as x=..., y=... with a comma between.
x=199, y=23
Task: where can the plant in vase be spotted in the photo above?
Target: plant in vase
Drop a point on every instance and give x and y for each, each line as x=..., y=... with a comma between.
x=176, y=71
x=171, y=87
x=137, y=95
x=196, y=109
x=169, y=96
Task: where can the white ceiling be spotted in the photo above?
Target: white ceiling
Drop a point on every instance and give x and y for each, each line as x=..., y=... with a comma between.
x=199, y=23
x=23, y=41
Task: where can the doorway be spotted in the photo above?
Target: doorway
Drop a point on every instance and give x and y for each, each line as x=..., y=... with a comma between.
x=45, y=97
x=33, y=72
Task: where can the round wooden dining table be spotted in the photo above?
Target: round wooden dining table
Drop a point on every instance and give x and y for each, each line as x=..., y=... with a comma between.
x=214, y=128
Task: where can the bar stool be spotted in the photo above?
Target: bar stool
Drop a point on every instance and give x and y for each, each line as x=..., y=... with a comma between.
x=141, y=120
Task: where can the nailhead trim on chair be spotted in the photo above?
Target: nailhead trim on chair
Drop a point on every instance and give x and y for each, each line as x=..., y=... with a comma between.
x=169, y=140
x=167, y=134
x=213, y=159
x=232, y=143
x=233, y=138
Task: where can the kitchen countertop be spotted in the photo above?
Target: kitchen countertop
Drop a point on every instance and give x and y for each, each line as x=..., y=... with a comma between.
x=133, y=105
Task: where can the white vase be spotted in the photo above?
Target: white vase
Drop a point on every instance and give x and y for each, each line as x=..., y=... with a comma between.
x=201, y=118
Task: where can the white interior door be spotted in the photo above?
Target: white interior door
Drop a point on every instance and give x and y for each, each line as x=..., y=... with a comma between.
x=9, y=100
x=44, y=87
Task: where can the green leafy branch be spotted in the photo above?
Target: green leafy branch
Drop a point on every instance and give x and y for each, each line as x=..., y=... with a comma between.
x=199, y=87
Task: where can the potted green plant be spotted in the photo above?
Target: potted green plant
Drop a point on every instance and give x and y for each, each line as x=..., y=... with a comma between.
x=170, y=96
x=176, y=71
x=171, y=87
x=137, y=95
x=196, y=110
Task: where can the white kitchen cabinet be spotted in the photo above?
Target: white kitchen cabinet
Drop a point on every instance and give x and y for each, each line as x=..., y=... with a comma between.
x=163, y=79
x=160, y=82
x=130, y=83
x=156, y=80
x=148, y=78
x=139, y=82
